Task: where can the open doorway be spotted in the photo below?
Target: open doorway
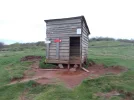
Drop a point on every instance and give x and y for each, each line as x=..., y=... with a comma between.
x=74, y=48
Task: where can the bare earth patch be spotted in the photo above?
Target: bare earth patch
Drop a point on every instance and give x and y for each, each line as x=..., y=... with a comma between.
x=31, y=58
x=108, y=95
x=22, y=96
x=70, y=79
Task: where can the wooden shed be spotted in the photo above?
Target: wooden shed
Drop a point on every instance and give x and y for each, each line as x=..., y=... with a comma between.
x=67, y=40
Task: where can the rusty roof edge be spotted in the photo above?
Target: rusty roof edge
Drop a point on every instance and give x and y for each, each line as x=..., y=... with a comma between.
x=83, y=18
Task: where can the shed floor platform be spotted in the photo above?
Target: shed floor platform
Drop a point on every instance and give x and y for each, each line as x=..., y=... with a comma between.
x=63, y=61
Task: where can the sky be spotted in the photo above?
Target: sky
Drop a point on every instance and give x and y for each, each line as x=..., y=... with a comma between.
x=23, y=20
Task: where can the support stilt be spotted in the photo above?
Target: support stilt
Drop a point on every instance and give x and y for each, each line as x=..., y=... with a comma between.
x=80, y=65
x=84, y=69
x=68, y=66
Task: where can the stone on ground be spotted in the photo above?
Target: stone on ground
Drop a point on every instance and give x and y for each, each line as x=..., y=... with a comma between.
x=76, y=66
x=60, y=66
x=72, y=69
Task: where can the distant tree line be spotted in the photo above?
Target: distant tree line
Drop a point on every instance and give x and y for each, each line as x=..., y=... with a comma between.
x=21, y=46
x=110, y=39
x=126, y=40
x=1, y=45
x=40, y=43
x=101, y=39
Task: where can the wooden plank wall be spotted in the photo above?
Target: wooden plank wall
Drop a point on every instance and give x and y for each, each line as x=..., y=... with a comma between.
x=84, y=42
x=62, y=30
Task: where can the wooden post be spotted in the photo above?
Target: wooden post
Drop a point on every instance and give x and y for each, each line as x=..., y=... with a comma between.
x=68, y=67
x=57, y=50
x=47, y=53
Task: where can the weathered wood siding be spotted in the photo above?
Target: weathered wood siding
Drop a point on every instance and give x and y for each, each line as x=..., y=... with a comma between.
x=84, y=42
x=62, y=29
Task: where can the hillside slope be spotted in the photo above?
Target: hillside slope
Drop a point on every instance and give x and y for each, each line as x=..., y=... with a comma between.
x=108, y=53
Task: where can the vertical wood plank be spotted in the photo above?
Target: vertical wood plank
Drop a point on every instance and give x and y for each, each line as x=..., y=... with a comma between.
x=47, y=53
x=57, y=50
x=81, y=43
x=69, y=55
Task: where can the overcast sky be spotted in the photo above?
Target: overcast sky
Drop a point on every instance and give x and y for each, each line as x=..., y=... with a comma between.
x=23, y=20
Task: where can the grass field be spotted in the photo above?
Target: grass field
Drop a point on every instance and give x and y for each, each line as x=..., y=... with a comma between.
x=109, y=53
x=10, y=65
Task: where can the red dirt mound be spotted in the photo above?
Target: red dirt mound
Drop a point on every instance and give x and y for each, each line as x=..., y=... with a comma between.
x=71, y=79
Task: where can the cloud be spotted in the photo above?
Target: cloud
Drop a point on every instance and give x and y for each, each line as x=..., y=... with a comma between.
x=23, y=20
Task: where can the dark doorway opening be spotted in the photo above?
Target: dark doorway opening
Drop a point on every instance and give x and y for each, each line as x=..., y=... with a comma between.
x=74, y=48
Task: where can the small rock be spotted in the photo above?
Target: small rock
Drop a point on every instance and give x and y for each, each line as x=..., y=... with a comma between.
x=92, y=71
x=61, y=66
x=76, y=66
x=72, y=69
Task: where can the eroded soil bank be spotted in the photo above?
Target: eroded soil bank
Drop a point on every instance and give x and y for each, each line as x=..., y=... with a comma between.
x=68, y=78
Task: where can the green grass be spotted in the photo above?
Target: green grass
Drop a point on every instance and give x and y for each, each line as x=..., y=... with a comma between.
x=113, y=56
x=55, y=92
x=108, y=43
x=44, y=65
x=11, y=67
x=14, y=92
x=85, y=91
x=106, y=84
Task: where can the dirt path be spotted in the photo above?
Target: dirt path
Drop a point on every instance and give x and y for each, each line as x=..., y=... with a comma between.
x=70, y=79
